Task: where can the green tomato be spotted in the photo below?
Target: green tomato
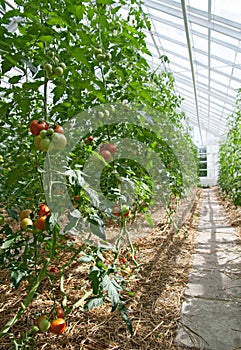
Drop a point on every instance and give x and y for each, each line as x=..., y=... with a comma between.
x=43, y=133
x=50, y=131
x=48, y=67
x=59, y=71
x=56, y=60
x=100, y=58
x=59, y=141
x=108, y=56
x=44, y=325
x=44, y=144
x=51, y=54
x=62, y=65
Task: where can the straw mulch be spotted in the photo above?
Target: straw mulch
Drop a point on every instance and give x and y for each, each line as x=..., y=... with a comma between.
x=233, y=212
x=165, y=259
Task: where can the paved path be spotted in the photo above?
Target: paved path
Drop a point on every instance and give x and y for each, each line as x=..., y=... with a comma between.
x=211, y=312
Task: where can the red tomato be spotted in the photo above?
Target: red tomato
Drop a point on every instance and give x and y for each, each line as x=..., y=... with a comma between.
x=43, y=210
x=58, y=326
x=37, y=125
x=54, y=270
x=59, y=312
x=88, y=140
x=109, y=147
x=40, y=223
x=106, y=155
x=59, y=129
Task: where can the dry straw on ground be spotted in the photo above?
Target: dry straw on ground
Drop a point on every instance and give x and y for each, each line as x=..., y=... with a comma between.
x=165, y=259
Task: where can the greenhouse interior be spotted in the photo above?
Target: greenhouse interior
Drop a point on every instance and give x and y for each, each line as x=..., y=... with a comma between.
x=120, y=174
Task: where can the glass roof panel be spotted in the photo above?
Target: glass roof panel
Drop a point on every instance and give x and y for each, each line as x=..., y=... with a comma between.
x=203, y=43
x=227, y=9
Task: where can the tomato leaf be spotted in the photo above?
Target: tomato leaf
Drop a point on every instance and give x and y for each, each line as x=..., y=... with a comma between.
x=123, y=311
x=98, y=230
x=95, y=278
x=8, y=243
x=111, y=289
x=93, y=302
x=85, y=259
x=12, y=213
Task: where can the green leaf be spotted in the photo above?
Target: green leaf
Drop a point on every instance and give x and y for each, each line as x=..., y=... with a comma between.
x=6, y=66
x=115, y=9
x=95, y=278
x=111, y=289
x=79, y=54
x=46, y=38
x=55, y=20
x=2, y=3
x=93, y=302
x=79, y=12
x=98, y=230
x=58, y=92
x=15, y=79
x=85, y=259
x=8, y=243
x=32, y=86
x=12, y=213
x=124, y=316
x=17, y=277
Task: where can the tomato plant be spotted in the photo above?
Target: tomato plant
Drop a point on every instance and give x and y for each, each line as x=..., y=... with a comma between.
x=229, y=158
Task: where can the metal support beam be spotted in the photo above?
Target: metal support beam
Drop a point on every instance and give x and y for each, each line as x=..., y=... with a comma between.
x=184, y=11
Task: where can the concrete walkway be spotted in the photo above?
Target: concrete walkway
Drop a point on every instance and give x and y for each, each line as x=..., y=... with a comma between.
x=211, y=312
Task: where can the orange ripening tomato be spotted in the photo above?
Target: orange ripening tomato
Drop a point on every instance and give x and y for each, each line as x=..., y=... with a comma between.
x=58, y=326
x=40, y=223
x=59, y=312
x=43, y=210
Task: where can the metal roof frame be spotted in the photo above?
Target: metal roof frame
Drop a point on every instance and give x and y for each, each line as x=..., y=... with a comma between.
x=189, y=72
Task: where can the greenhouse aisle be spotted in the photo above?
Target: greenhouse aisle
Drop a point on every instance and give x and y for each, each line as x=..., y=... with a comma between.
x=211, y=312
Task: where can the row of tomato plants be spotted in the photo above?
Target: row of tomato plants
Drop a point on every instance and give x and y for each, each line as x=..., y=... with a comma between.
x=229, y=158
x=58, y=59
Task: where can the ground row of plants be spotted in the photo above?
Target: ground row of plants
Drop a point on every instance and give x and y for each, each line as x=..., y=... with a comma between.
x=230, y=159
x=90, y=137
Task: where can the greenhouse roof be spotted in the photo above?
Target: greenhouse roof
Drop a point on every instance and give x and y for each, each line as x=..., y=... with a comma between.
x=201, y=40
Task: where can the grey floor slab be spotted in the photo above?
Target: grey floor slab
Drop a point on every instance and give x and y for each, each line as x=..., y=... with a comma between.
x=211, y=312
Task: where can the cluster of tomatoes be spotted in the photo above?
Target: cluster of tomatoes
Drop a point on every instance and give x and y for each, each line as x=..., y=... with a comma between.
x=54, y=67
x=56, y=326
x=107, y=150
x=47, y=136
x=39, y=223
x=100, y=56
